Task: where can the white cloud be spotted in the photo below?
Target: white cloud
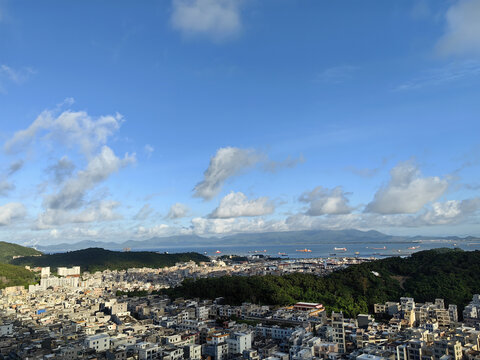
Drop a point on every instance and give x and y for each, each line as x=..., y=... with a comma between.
x=145, y=212
x=407, y=192
x=69, y=128
x=462, y=35
x=96, y=212
x=203, y=226
x=54, y=233
x=323, y=201
x=215, y=19
x=227, y=162
x=157, y=230
x=178, y=211
x=100, y=167
x=237, y=205
x=11, y=212
x=451, y=211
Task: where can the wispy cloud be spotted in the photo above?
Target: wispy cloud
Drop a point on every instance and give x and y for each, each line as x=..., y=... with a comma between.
x=11, y=75
x=451, y=72
x=289, y=162
x=218, y=20
x=336, y=74
x=148, y=149
x=367, y=172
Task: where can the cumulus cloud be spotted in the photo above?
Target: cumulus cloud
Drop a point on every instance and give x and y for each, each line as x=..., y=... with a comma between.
x=462, y=35
x=323, y=201
x=100, y=167
x=69, y=128
x=451, y=211
x=62, y=169
x=177, y=211
x=95, y=212
x=237, y=205
x=407, y=192
x=216, y=19
x=145, y=212
x=11, y=212
x=156, y=230
x=227, y=162
x=203, y=226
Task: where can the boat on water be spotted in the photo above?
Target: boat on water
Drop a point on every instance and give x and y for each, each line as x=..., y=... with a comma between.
x=382, y=248
x=340, y=249
x=357, y=252
x=413, y=247
x=218, y=252
x=333, y=254
x=304, y=250
x=282, y=254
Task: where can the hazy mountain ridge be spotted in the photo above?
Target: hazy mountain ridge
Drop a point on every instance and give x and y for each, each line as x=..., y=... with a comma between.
x=306, y=237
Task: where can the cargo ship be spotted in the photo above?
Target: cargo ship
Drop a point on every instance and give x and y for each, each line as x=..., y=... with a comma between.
x=304, y=250
x=340, y=249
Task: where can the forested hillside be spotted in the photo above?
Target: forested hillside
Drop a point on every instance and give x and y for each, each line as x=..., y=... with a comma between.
x=442, y=273
x=94, y=259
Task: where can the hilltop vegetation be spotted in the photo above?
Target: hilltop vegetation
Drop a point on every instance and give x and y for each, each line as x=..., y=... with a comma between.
x=9, y=250
x=442, y=273
x=95, y=259
x=11, y=275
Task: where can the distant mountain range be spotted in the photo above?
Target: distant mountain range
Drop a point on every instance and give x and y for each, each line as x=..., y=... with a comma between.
x=309, y=237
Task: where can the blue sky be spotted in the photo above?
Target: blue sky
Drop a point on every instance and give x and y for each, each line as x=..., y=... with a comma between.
x=123, y=120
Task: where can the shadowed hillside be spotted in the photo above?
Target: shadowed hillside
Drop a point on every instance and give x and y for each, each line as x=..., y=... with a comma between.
x=94, y=259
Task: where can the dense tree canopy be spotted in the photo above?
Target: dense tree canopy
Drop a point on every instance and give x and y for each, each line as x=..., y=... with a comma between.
x=442, y=273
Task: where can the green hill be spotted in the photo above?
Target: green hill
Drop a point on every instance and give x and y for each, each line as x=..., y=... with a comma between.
x=9, y=250
x=442, y=273
x=11, y=275
x=94, y=259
